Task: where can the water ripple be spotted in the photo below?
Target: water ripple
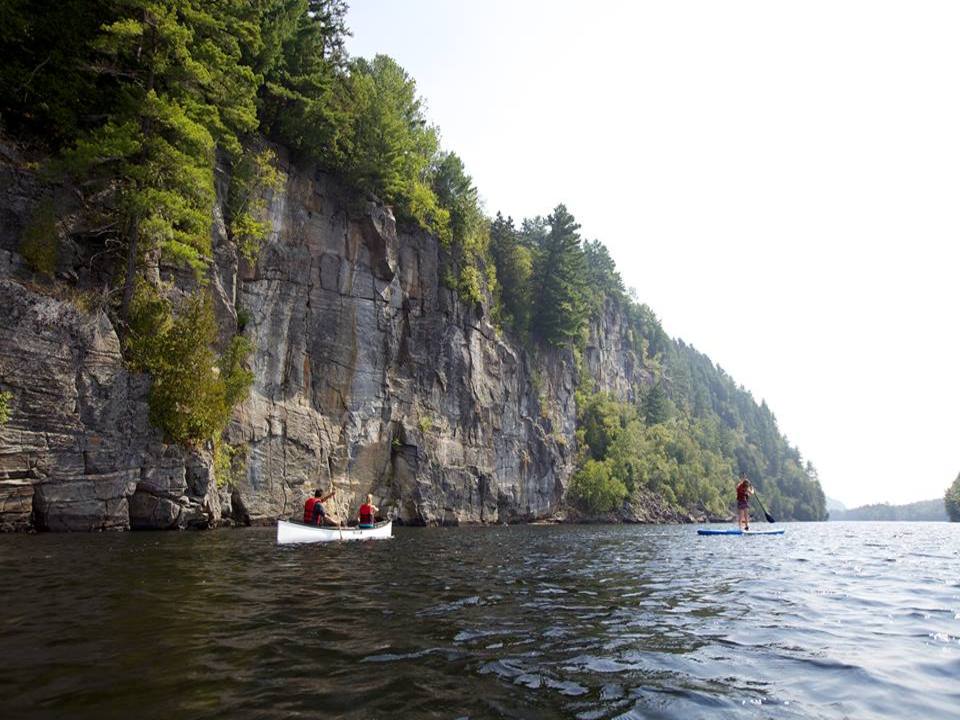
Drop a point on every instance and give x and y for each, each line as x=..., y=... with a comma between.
x=829, y=621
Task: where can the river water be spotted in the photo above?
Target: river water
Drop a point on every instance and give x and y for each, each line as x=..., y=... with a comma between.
x=832, y=620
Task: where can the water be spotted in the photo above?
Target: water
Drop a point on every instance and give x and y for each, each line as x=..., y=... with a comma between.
x=834, y=620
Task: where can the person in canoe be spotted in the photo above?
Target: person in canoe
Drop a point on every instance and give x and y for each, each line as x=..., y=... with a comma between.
x=368, y=513
x=313, y=511
x=744, y=491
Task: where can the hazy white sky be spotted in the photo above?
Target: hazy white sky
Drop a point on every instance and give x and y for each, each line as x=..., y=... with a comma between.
x=779, y=181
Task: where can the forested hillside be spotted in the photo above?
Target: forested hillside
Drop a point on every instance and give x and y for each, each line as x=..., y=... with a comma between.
x=140, y=105
x=929, y=510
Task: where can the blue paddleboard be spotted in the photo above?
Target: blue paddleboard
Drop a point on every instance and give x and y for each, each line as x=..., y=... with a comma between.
x=708, y=531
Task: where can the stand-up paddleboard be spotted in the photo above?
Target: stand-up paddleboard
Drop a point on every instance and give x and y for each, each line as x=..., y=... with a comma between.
x=708, y=531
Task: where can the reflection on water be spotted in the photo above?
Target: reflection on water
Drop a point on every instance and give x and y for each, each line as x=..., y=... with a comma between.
x=830, y=621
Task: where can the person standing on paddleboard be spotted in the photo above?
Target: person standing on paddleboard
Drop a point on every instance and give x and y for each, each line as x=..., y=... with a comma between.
x=744, y=491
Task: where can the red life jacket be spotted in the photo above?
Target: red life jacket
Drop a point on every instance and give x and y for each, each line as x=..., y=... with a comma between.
x=742, y=494
x=366, y=514
x=308, y=510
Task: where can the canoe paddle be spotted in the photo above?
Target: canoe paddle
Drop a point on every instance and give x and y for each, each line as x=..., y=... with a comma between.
x=769, y=516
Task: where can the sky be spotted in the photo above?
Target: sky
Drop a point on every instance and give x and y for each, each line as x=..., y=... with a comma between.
x=780, y=183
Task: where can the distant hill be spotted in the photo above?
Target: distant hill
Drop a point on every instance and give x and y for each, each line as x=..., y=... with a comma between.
x=835, y=506
x=923, y=510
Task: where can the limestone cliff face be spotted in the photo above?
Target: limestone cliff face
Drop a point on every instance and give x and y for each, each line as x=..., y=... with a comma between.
x=370, y=376
x=374, y=377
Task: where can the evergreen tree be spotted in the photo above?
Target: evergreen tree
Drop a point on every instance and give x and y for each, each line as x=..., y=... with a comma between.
x=603, y=279
x=456, y=192
x=181, y=91
x=391, y=146
x=469, y=230
x=514, y=263
x=533, y=232
x=655, y=406
x=951, y=500
x=559, y=301
x=193, y=392
x=303, y=61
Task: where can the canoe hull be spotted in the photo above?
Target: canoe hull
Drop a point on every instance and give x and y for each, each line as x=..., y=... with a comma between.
x=289, y=533
x=740, y=532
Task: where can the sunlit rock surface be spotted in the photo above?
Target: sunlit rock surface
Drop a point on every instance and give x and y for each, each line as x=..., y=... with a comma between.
x=370, y=376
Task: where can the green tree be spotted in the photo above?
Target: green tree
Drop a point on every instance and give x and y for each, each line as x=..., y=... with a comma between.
x=595, y=490
x=469, y=230
x=180, y=92
x=514, y=263
x=655, y=405
x=601, y=420
x=303, y=97
x=193, y=391
x=951, y=500
x=391, y=145
x=456, y=192
x=603, y=279
x=252, y=177
x=559, y=300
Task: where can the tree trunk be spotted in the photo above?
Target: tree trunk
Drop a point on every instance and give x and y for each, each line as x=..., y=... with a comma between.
x=130, y=276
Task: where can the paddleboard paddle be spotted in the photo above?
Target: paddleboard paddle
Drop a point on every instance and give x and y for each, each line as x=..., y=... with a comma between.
x=769, y=516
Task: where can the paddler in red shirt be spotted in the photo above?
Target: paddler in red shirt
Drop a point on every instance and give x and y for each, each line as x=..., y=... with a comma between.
x=744, y=491
x=368, y=513
x=313, y=510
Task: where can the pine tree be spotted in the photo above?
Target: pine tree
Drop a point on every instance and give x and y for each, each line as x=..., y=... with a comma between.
x=391, y=146
x=456, y=192
x=604, y=279
x=180, y=92
x=951, y=500
x=560, y=275
x=514, y=262
x=655, y=405
x=303, y=62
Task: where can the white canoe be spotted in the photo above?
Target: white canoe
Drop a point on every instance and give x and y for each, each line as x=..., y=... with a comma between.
x=294, y=532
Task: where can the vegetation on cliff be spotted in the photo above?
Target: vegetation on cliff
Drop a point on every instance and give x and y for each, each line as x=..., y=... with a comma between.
x=193, y=391
x=141, y=102
x=670, y=456
x=5, y=399
x=951, y=500
x=691, y=431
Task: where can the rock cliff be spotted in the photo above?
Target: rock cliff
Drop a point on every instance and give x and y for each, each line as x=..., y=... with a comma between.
x=371, y=375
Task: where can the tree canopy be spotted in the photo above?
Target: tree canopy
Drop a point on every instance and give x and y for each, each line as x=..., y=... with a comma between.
x=951, y=500
x=559, y=298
